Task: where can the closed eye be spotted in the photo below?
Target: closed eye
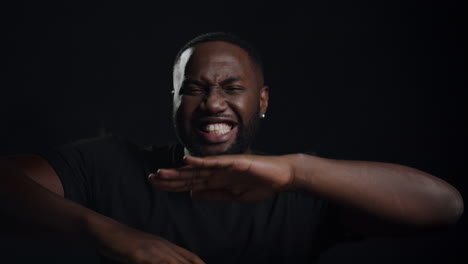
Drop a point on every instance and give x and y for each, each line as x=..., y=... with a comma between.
x=192, y=90
x=234, y=89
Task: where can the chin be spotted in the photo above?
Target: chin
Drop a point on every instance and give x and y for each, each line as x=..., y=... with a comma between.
x=240, y=144
x=202, y=150
x=212, y=150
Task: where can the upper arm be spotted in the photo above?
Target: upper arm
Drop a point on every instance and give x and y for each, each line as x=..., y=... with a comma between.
x=357, y=223
x=38, y=169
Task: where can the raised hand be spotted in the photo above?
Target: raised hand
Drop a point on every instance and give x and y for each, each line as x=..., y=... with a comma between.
x=227, y=177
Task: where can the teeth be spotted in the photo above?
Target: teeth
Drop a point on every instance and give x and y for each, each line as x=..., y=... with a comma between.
x=218, y=128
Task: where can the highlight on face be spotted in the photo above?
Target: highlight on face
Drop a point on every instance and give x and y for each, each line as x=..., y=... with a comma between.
x=218, y=98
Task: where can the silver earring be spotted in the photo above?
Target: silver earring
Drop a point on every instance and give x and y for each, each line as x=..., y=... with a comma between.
x=263, y=115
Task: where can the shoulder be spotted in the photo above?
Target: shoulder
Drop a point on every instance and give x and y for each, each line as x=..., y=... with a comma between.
x=103, y=143
x=113, y=144
x=95, y=144
x=109, y=149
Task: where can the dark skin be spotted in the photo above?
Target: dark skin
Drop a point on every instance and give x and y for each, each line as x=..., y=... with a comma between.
x=216, y=81
x=388, y=191
x=395, y=194
x=39, y=204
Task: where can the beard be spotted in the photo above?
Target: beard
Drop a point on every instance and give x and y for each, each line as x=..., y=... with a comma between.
x=245, y=136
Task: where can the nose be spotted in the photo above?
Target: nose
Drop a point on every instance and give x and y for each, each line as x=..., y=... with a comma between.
x=214, y=101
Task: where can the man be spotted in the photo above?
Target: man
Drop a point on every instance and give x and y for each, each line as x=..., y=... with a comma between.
x=212, y=198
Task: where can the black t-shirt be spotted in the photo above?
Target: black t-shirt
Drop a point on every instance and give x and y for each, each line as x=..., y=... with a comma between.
x=109, y=175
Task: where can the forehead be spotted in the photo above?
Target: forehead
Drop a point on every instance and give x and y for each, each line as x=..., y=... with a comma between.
x=217, y=59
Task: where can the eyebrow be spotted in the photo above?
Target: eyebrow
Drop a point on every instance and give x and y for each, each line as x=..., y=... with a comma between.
x=199, y=83
x=230, y=80
x=189, y=81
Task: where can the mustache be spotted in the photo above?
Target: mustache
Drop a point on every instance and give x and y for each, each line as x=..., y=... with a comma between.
x=201, y=116
x=220, y=115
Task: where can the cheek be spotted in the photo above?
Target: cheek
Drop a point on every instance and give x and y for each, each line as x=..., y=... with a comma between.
x=183, y=110
x=245, y=107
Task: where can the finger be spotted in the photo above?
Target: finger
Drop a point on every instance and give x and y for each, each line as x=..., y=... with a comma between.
x=185, y=173
x=162, y=253
x=179, y=180
x=176, y=185
x=177, y=258
x=228, y=162
x=219, y=162
x=170, y=255
x=187, y=255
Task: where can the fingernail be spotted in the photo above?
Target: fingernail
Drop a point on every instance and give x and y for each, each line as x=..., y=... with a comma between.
x=153, y=175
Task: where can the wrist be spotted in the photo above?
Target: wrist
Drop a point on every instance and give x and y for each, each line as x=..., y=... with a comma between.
x=95, y=226
x=301, y=172
x=293, y=163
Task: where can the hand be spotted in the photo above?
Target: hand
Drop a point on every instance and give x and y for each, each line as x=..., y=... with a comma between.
x=227, y=177
x=128, y=245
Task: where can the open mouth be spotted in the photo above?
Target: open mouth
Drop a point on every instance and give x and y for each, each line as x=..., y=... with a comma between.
x=217, y=131
x=217, y=128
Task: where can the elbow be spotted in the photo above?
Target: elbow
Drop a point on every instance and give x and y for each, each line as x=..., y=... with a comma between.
x=450, y=207
x=442, y=207
x=455, y=207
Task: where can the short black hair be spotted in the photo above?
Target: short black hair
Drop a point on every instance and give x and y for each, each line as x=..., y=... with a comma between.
x=226, y=37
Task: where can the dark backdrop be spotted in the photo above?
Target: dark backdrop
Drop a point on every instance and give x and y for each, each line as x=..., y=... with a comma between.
x=349, y=79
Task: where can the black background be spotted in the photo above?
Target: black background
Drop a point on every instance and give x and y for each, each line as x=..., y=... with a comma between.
x=370, y=80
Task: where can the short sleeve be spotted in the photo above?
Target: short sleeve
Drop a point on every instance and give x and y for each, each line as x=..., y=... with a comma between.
x=72, y=170
x=75, y=165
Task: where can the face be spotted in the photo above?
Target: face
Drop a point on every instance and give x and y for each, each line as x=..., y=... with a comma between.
x=218, y=99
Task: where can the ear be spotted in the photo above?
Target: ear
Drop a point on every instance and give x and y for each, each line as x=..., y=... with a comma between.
x=264, y=94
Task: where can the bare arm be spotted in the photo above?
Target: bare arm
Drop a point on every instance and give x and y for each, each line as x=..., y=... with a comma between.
x=396, y=193
x=393, y=193
x=31, y=194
